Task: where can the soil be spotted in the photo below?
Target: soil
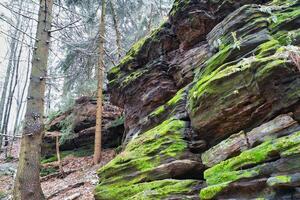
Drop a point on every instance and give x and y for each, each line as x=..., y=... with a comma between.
x=79, y=181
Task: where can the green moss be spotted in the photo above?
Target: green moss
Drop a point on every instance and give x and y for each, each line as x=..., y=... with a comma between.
x=145, y=152
x=146, y=191
x=178, y=6
x=117, y=122
x=53, y=114
x=2, y=194
x=118, y=76
x=219, y=176
x=158, y=111
x=179, y=96
x=288, y=37
x=47, y=171
x=267, y=48
x=277, y=180
x=81, y=152
x=281, y=18
x=132, y=77
x=211, y=191
x=219, y=173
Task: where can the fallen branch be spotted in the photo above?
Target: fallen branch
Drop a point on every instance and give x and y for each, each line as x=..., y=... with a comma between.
x=74, y=196
x=11, y=136
x=65, y=189
x=56, y=175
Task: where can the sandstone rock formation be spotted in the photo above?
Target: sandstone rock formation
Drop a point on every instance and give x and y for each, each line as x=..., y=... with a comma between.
x=212, y=105
x=80, y=123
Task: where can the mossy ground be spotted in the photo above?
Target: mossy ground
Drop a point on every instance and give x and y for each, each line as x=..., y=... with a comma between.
x=81, y=152
x=47, y=171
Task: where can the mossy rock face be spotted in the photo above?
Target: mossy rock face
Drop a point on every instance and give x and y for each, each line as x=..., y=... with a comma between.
x=149, y=158
x=241, y=104
x=162, y=189
x=254, y=164
x=233, y=93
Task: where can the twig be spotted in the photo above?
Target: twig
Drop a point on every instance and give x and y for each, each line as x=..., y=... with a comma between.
x=66, y=26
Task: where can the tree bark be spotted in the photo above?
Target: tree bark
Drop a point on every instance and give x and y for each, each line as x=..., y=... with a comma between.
x=101, y=67
x=27, y=182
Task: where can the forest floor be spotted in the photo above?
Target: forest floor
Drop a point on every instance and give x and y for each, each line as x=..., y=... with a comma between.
x=78, y=183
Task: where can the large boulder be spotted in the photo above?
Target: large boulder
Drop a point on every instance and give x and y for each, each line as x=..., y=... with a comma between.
x=76, y=127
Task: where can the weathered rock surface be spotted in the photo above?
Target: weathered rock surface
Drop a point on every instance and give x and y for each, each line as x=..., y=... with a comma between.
x=212, y=103
x=77, y=125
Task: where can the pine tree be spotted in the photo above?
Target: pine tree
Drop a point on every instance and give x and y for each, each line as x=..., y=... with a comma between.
x=101, y=67
x=27, y=183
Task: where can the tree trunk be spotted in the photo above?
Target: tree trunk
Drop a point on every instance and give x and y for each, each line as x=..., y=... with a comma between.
x=118, y=34
x=12, y=90
x=97, y=152
x=27, y=183
x=150, y=20
x=7, y=83
x=61, y=169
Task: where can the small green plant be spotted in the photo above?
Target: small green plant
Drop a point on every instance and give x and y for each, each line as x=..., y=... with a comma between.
x=117, y=122
x=82, y=152
x=47, y=171
x=67, y=128
x=9, y=159
x=53, y=114
x=2, y=195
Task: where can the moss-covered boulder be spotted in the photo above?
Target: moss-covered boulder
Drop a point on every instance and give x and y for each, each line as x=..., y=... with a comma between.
x=158, y=154
x=255, y=163
x=75, y=127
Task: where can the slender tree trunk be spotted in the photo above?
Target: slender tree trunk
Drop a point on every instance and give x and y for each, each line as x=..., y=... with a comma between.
x=27, y=182
x=22, y=107
x=12, y=91
x=150, y=19
x=118, y=34
x=97, y=152
x=61, y=170
x=4, y=105
x=21, y=99
x=7, y=81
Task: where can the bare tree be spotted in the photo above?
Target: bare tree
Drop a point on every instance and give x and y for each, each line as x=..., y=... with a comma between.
x=118, y=34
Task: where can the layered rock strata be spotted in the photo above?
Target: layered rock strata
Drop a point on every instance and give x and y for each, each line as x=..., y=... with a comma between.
x=212, y=105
